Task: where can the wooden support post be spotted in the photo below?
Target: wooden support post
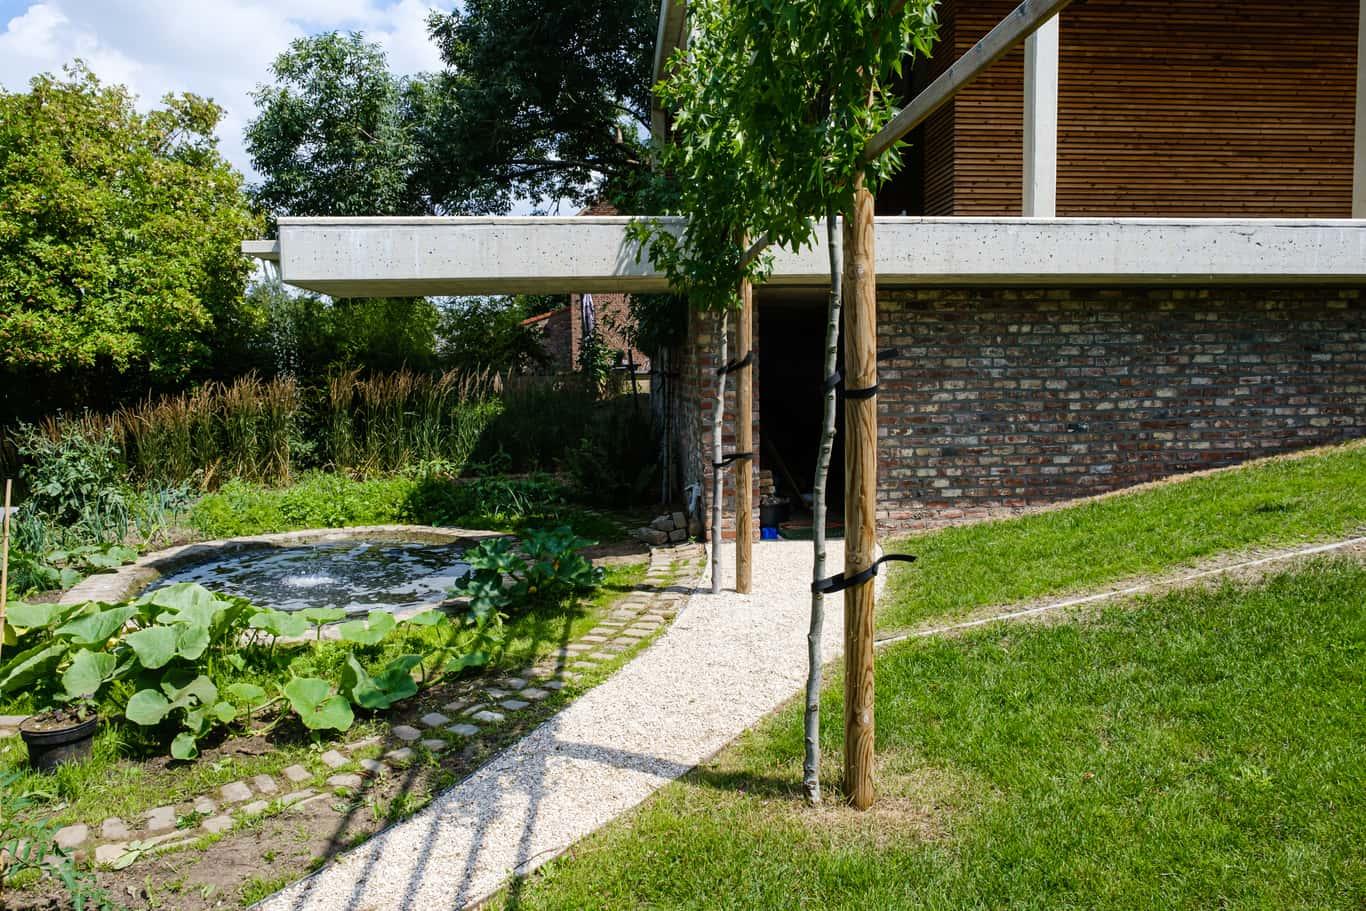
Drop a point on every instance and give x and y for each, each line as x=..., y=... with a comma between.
x=744, y=442
x=860, y=493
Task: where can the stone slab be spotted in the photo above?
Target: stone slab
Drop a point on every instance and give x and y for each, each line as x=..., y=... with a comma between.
x=160, y=819
x=488, y=717
x=265, y=784
x=297, y=773
x=406, y=733
x=235, y=792
x=402, y=754
x=217, y=825
x=346, y=780
x=434, y=719
x=107, y=854
x=334, y=760
x=256, y=806
x=205, y=806
x=114, y=829
x=514, y=705
x=432, y=745
x=463, y=730
x=71, y=837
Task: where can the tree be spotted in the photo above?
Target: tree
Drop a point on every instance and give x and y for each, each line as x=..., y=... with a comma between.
x=333, y=135
x=763, y=150
x=545, y=101
x=487, y=333
x=119, y=231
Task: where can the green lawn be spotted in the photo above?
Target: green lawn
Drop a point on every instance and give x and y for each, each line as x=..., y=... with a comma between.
x=1274, y=502
x=1199, y=750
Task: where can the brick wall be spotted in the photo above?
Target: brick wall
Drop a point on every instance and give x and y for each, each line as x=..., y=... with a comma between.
x=1007, y=399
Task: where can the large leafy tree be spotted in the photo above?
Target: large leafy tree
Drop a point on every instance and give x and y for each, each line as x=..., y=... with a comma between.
x=119, y=232
x=763, y=151
x=544, y=101
x=333, y=134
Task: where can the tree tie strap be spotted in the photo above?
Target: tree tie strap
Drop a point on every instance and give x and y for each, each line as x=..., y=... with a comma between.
x=833, y=380
x=733, y=457
x=733, y=366
x=839, y=583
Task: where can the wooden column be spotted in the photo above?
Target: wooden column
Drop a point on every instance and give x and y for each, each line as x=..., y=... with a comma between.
x=860, y=494
x=744, y=442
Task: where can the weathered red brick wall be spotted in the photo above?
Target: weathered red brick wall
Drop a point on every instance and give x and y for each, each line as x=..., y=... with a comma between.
x=1007, y=399
x=613, y=315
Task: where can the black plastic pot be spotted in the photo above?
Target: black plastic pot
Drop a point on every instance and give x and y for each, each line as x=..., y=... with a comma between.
x=49, y=749
x=771, y=515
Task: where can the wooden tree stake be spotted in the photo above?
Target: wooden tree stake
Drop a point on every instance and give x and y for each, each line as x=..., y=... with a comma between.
x=744, y=442
x=860, y=493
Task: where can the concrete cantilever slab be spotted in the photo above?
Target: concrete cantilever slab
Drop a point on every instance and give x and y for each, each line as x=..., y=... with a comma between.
x=358, y=257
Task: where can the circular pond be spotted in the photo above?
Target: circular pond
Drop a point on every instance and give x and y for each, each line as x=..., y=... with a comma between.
x=354, y=575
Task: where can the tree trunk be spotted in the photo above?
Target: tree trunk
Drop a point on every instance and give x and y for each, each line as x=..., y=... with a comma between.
x=811, y=767
x=718, y=485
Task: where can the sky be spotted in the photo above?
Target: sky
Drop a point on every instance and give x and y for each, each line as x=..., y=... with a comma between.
x=220, y=49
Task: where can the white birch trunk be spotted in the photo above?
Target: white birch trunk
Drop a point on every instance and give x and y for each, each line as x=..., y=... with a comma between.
x=718, y=487
x=811, y=765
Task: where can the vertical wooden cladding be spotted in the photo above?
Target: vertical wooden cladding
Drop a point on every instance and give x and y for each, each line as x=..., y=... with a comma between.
x=1201, y=108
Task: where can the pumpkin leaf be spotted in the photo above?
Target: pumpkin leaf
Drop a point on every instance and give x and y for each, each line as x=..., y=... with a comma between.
x=317, y=706
x=88, y=672
x=321, y=615
x=185, y=746
x=147, y=708
x=370, y=631
x=428, y=618
x=155, y=646
x=30, y=665
x=279, y=623
x=96, y=630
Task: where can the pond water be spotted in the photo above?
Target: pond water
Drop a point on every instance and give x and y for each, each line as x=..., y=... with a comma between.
x=357, y=576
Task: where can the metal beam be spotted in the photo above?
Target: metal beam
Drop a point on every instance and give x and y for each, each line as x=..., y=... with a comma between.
x=1001, y=40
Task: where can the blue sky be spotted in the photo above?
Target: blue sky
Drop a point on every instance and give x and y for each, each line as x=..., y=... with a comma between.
x=217, y=48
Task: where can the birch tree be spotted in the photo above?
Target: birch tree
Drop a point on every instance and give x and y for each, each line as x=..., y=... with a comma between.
x=773, y=106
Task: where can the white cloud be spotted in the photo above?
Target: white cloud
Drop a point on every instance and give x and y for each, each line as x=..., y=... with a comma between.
x=220, y=49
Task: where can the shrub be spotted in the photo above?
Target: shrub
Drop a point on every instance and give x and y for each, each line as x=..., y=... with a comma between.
x=318, y=500
x=615, y=460
x=540, y=421
x=73, y=473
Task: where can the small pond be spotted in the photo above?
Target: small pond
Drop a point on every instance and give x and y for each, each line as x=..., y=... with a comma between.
x=357, y=576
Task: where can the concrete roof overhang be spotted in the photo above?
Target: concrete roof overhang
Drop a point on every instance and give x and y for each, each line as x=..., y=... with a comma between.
x=364, y=257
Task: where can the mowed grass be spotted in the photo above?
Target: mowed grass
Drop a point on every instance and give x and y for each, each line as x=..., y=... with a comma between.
x=1275, y=502
x=1203, y=749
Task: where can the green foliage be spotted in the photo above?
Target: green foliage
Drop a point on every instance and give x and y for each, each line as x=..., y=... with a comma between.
x=547, y=570
x=479, y=334
x=318, y=500
x=28, y=844
x=540, y=422
x=616, y=462
x=73, y=475
x=317, y=705
x=369, y=631
x=762, y=150
x=539, y=101
x=119, y=231
x=331, y=136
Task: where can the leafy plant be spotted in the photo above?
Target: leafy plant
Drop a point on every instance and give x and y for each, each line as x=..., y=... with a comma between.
x=369, y=631
x=318, y=705
x=548, y=569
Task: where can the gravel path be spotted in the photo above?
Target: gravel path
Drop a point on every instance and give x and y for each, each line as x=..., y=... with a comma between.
x=727, y=661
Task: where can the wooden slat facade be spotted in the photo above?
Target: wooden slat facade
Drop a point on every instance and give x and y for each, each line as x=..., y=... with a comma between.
x=1195, y=108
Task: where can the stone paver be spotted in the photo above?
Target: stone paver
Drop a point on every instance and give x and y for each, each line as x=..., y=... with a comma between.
x=236, y=792
x=433, y=745
x=362, y=744
x=406, y=733
x=455, y=708
x=372, y=767
x=494, y=692
x=553, y=685
x=107, y=854
x=334, y=760
x=534, y=693
x=512, y=683
x=69, y=838
x=297, y=773
x=265, y=784
x=463, y=730
x=160, y=819
x=115, y=829
x=294, y=797
x=205, y=806
x=488, y=717
x=256, y=806
x=346, y=780
x=434, y=719
x=216, y=825
x=514, y=705
x=403, y=754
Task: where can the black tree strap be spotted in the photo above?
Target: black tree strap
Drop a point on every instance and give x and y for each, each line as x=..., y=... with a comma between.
x=839, y=583
x=733, y=366
x=833, y=380
x=733, y=457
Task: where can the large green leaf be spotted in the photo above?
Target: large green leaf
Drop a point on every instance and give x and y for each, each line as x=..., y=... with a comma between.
x=318, y=708
x=467, y=660
x=185, y=746
x=428, y=618
x=370, y=631
x=279, y=623
x=88, y=672
x=198, y=691
x=147, y=707
x=247, y=694
x=31, y=665
x=24, y=617
x=321, y=615
x=96, y=630
x=184, y=602
x=395, y=682
x=192, y=640
x=154, y=646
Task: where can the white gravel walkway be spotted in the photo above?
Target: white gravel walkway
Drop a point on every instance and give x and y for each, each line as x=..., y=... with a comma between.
x=727, y=661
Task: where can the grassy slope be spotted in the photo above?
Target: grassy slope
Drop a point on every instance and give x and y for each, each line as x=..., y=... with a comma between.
x=1203, y=750
x=1274, y=502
